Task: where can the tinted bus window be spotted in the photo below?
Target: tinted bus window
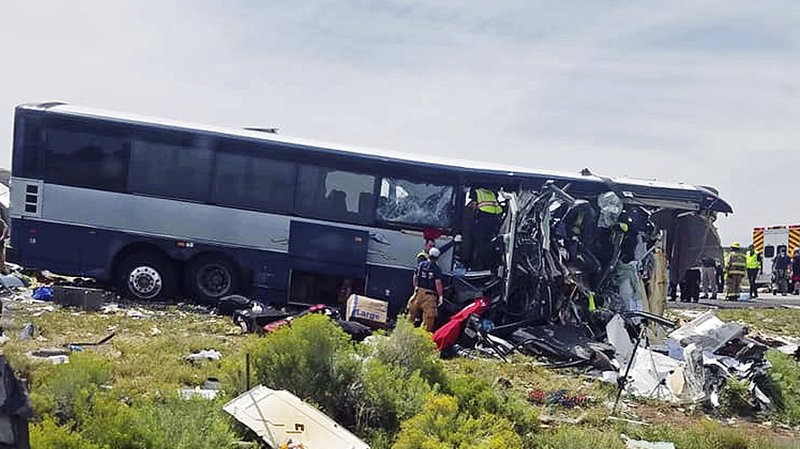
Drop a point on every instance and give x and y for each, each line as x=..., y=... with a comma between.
x=415, y=203
x=86, y=159
x=171, y=169
x=335, y=195
x=254, y=183
x=29, y=145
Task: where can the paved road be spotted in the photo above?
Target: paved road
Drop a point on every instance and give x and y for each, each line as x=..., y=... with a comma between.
x=763, y=301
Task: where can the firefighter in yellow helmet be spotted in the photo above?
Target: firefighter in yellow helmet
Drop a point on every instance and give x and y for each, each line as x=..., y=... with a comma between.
x=735, y=270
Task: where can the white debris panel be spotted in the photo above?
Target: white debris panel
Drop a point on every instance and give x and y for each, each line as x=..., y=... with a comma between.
x=278, y=416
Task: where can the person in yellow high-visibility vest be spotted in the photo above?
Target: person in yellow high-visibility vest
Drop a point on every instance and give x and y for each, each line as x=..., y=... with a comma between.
x=753, y=268
x=487, y=222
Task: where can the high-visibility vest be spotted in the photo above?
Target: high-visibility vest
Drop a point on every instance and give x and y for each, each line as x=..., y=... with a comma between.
x=487, y=202
x=752, y=260
x=737, y=264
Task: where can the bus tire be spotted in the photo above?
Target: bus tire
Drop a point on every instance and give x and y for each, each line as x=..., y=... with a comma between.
x=146, y=276
x=209, y=278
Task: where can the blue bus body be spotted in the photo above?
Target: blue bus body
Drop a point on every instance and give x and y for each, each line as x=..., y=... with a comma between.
x=107, y=195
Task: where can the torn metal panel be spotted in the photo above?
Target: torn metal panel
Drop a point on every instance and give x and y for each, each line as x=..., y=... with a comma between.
x=707, y=331
x=278, y=416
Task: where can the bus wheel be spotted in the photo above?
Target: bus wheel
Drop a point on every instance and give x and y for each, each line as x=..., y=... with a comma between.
x=210, y=278
x=146, y=276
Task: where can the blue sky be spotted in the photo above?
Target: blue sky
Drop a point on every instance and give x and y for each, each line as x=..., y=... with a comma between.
x=704, y=92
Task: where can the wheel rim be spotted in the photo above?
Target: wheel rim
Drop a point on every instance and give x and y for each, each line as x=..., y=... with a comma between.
x=145, y=282
x=214, y=280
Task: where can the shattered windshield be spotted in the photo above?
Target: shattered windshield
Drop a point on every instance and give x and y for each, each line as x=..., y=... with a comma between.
x=415, y=203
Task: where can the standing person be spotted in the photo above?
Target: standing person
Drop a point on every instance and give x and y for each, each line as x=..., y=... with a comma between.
x=428, y=291
x=780, y=268
x=736, y=270
x=720, y=276
x=423, y=255
x=753, y=268
x=487, y=222
x=3, y=238
x=796, y=272
x=708, y=275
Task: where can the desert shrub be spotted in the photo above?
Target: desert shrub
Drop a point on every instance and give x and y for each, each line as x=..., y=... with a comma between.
x=63, y=390
x=388, y=396
x=477, y=396
x=411, y=349
x=784, y=386
x=577, y=437
x=707, y=434
x=173, y=423
x=442, y=425
x=314, y=359
x=49, y=435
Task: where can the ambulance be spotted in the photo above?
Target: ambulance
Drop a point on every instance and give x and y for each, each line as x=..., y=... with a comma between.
x=770, y=241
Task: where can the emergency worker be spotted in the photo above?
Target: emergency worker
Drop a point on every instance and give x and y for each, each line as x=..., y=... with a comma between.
x=796, y=272
x=487, y=222
x=3, y=238
x=428, y=291
x=736, y=270
x=423, y=255
x=753, y=268
x=780, y=270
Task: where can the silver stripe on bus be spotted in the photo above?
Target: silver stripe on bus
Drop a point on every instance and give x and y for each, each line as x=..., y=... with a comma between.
x=180, y=220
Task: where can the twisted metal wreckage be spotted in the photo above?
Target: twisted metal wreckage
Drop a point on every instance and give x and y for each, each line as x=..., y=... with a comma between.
x=565, y=265
x=583, y=282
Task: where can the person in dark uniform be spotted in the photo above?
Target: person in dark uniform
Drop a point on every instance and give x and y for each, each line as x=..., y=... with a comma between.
x=428, y=291
x=780, y=270
x=796, y=272
x=488, y=216
x=3, y=238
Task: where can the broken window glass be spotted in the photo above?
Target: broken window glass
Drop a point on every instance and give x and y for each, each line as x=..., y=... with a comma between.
x=415, y=203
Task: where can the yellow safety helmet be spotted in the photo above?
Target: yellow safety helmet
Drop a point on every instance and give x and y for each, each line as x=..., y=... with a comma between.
x=736, y=245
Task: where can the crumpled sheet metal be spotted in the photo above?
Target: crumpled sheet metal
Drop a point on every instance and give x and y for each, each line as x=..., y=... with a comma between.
x=707, y=331
x=654, y=375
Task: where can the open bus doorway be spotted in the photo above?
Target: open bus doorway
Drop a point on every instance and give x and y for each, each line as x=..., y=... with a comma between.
x=316, y=288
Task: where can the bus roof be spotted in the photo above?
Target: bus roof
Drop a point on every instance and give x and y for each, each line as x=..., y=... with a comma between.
x=705, y=197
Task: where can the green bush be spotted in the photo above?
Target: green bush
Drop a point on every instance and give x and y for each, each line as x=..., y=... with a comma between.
x=477, y=396
x=49, y=435
x=314, y=359
x=175, y=423
x=577, y=437
x=411, y=349
x=388, y=396
x=63, y=390
x=442, y=425
x=784, y=381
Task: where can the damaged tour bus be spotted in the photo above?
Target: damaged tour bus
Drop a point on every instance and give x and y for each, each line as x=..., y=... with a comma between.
x=159, y=207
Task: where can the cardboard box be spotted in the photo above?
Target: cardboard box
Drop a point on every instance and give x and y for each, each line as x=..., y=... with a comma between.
x=372, y=312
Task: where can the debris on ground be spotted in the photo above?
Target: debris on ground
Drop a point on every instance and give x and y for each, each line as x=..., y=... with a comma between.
x=27, y=332
x=278, y=416
x=638, y=444
x=53, y=355
x=559, y=397
x=211, y=355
